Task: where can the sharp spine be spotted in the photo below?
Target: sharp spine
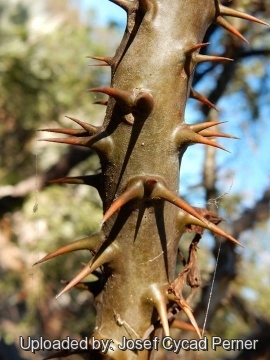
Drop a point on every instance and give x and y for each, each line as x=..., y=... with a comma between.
x=123, y=97
x=101, y=143
x=98, y=260
x=210, y=133
x=91, y=243
x=90, y=180
x=197, y=96
x=128, y=100
x=161, y=191
x=199, y=139
x=133, y=191
x=186, y=136
x=226, y=25
x=85, y=141
x=182, y=325
x=195, y=47
x=105, y=61
x=93, y=287
x=223, y=10
x=182, y=304
x=71, y=132
x=158, y=297
x=91, y=129
x=203, y=58
x=150, y=187
x=191, y=220
x=203, y=126
x=187, y=310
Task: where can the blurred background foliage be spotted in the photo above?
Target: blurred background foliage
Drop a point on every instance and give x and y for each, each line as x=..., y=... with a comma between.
x=44, y=76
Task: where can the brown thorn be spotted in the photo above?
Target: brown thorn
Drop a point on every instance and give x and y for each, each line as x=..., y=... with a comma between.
x=182, y=325
x=226, y=25
x=163, y=192
x=85, y=141
x=231, y=12
x=101, y=142
x=210, y=133
x=91, y=286
x=159, y=299
x=195, y=47
x=199, y=139
x=107, y=61
x=91, y=180
x=123, y=97
x=92, y=129
x=190, y=220
x=97, y=261
x=88, y=243
x=133, y=191
x=197, y=96
x=184, y=135
x=182, y=304
x=161, y=307
x=203, y=58
x=202, y=126
x=191, y=318
x=70, y=132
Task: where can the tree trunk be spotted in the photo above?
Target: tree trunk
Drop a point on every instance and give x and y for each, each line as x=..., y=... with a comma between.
x=140, y=144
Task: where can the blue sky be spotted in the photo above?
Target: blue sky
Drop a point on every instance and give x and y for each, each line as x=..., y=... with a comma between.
x=105, y=10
